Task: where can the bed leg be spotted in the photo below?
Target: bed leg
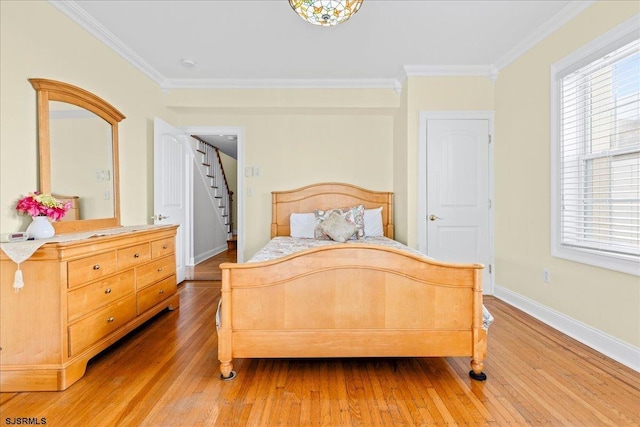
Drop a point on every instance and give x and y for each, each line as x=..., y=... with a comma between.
x=226, y=371
x=476, y=370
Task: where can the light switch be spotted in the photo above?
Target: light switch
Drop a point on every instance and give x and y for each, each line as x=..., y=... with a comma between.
x=103, y=175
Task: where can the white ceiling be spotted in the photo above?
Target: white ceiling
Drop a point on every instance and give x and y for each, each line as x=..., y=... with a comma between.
x=263, y=43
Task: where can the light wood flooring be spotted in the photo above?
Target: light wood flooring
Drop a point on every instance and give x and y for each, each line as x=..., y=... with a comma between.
x=166, y=374
x=208, y=269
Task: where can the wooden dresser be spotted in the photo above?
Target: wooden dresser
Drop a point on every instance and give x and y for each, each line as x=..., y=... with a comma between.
x=80, y=297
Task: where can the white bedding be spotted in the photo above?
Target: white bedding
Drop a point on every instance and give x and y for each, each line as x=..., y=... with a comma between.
x=283, y=246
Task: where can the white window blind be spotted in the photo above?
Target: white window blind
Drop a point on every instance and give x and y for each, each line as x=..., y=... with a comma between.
x=599, y=168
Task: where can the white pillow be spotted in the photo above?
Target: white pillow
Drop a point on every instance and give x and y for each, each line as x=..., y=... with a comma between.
x=373, y=222
x=302, y=225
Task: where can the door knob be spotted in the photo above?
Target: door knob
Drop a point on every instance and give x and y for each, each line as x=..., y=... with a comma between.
x=159, y=217
x=433, y=217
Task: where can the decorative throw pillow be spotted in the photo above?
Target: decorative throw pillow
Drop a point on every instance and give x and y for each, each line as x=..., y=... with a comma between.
x=354, y=215
x=337, y=227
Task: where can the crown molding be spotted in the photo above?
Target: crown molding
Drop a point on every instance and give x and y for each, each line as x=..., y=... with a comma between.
x=443, y=71
x=277, y=84
x=451, y=70
x=89, y=23
x=399, y=81
x=570, y=11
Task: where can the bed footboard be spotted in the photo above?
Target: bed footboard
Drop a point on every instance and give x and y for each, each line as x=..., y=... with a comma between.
x=352, y=300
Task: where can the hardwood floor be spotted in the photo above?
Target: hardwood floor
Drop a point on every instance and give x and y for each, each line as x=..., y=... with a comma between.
x=166, y=374
x=208, y=269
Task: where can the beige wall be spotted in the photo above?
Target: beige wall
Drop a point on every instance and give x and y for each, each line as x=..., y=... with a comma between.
x=400, y=172
x=298, y=137
x=606, y=300
x=294, y=149
x=37, y=40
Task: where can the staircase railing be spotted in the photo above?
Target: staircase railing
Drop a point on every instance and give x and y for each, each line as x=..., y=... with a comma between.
x=218, y=181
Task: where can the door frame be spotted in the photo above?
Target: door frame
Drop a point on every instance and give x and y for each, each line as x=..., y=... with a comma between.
x=239, y=197
x=424, y=117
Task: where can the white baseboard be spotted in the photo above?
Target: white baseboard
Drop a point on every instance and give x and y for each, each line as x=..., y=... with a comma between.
x=610, y=346
x=208, y=254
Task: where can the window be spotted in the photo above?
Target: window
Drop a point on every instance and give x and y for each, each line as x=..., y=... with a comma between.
x=596, y=153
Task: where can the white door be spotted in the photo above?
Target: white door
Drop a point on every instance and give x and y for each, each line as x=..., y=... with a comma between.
x=458, y=220
x=170, y=194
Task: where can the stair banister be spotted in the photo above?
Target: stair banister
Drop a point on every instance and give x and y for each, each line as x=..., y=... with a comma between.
x=218, y=178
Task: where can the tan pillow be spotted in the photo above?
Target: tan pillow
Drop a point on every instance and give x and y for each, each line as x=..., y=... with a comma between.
x=354, y=215
x=337, y=227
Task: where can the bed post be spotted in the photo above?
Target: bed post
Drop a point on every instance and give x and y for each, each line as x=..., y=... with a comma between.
x=274, y=222
x=224, y=334
x=479, y=346
x=389, y=231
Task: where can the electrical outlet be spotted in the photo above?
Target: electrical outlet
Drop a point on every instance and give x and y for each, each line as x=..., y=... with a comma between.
x=546, y=276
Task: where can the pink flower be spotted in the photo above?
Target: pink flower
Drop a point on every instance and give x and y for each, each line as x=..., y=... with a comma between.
x=36, y=204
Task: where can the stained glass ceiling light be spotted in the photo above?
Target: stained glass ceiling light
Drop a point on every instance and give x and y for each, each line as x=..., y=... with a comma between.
x=325, y=12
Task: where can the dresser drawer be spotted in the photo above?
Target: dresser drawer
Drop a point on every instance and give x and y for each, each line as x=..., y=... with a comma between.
x=160, y=248
x=154, y=271
x=97, y=326
x=85, y=299
x=154, y=294
x=133, y=255
x=91, y=268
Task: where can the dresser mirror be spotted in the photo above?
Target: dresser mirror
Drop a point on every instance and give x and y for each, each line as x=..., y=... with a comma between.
x=78, y=154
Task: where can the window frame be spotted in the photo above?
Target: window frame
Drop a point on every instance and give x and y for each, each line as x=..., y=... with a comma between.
x=598, y=48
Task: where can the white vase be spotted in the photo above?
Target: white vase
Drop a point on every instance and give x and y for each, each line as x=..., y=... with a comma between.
x=40, y=228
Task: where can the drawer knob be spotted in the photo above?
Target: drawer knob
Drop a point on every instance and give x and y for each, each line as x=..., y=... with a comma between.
x=110, y=319
x=136, y=255
x=96, y=267
x=161, y=291
x=159, y=268
x=164, y=246
x=107, y=291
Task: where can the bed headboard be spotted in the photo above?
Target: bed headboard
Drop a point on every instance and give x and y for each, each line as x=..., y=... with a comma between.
x=326, y=196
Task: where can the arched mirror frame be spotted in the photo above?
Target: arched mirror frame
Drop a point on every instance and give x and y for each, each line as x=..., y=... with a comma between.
x=51, y=90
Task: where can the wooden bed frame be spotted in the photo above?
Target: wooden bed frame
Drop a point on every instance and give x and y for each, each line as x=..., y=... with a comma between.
x=348, y=300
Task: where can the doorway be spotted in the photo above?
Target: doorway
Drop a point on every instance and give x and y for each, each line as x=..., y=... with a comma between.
x=184, y=134
x=214, y=131
x=455, y=188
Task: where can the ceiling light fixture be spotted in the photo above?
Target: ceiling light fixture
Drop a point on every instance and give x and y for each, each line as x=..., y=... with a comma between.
x=325, y=12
